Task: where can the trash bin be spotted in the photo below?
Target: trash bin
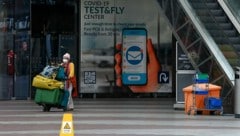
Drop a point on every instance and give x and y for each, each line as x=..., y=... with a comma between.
x=237, y=93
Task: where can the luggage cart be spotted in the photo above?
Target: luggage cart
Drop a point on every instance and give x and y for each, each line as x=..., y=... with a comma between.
x=50, y=86
x=201, y=88
x=51, y=98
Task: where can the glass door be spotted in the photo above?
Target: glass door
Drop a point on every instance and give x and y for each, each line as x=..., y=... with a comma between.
x=6, y=49
x=22, y=49
x=7, y=67
x=53, y=33
x=22, y=63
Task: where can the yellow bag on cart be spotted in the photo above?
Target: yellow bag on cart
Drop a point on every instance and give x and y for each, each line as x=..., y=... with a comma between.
x=46, y=83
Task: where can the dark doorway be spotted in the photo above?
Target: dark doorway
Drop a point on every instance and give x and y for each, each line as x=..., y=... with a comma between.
x=54, y=32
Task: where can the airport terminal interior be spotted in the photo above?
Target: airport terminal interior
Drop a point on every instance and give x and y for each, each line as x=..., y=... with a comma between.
x=142, y=67
x=183, y=38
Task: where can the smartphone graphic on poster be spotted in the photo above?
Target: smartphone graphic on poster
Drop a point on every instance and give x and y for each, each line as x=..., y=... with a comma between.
x=134, y=56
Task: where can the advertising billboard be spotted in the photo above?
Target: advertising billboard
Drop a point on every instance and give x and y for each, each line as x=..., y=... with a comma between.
x=102, y=41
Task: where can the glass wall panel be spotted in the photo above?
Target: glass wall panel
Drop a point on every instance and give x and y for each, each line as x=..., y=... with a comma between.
x=14, y=48
x=22, y=61
x=22, y=49
x=7, y=65
x=6, y=48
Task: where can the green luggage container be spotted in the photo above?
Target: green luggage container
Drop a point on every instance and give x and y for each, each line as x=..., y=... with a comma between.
x=52, y=97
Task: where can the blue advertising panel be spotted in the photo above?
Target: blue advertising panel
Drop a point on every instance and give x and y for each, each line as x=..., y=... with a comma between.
x=134, y=70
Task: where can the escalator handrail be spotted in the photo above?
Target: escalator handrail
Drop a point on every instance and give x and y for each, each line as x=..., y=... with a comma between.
x=231, y=15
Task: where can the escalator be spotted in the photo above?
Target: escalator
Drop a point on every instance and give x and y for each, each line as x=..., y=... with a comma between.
x=210, y=40
x=220, y=28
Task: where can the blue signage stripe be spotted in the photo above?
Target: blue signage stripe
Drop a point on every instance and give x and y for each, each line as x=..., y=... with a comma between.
x=134, y=32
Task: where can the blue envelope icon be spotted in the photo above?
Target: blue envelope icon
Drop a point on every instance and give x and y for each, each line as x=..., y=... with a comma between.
x=134, y=55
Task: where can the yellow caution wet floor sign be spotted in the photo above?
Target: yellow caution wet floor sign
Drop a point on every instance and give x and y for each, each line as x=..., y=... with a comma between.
x=67, y=125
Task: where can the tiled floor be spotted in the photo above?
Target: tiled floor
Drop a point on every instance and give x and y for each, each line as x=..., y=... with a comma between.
x=113, y=117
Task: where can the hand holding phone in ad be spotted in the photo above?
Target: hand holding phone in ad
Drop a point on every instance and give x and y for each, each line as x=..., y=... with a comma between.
x=153, y=67
x=134, y=56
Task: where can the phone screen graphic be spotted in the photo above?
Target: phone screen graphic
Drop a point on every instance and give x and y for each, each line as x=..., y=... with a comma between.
x=134, y=56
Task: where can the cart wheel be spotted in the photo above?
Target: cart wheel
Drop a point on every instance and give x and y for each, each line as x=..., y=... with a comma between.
x=64, y=109
x=155, y=95
x=217, y=112
x=193, y=112
x=189, y=112
x=46, y=108
x=221, y=112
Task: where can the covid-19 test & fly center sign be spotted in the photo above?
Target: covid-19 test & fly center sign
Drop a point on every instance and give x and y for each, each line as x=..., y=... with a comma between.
x=102, y=22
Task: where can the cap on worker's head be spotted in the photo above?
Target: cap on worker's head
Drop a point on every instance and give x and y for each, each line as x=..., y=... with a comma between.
x=66, y=56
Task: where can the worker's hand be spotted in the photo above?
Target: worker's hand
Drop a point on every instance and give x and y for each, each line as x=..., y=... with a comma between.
x=153, y=67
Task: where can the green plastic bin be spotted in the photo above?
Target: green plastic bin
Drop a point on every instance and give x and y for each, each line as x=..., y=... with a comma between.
x=201, y=78
x=52, y=97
